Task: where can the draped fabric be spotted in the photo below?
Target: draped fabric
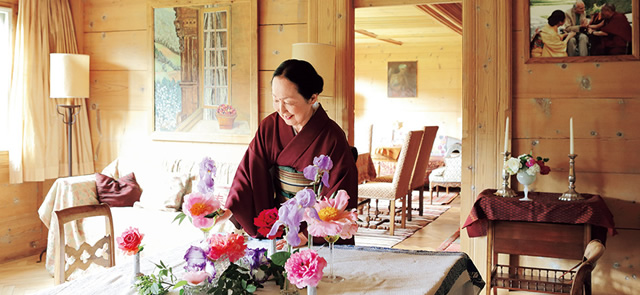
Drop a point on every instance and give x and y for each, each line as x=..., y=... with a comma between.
x=37, y=138
x=449, y=14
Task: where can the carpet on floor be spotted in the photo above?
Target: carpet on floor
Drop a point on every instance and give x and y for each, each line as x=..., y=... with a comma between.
x=441, y=199
x=378, y=235
x=452, y=244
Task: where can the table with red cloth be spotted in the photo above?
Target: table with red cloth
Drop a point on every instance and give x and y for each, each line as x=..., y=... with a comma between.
x=366, y=169
x=545, y=207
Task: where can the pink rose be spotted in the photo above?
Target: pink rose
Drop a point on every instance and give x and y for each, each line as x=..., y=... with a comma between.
x=195, y=277
x=305, y=268
x=130, y=240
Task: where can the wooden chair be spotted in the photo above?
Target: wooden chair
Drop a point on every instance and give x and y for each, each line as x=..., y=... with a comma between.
x=420, y=170
x=582, y=280
x=62, y=249
x=399, y=187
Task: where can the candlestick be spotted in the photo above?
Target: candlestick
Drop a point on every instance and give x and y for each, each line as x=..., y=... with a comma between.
x=505, y=191
x=571, y=136
x=571, y=194
x=506, y=135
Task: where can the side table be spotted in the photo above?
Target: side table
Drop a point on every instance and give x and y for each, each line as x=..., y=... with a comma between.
x=545, y=227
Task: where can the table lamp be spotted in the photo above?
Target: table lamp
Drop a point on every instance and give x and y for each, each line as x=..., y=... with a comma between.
x=323, y=58
x=68, y=79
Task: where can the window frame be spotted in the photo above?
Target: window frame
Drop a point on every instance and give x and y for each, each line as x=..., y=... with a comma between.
x=11, y=12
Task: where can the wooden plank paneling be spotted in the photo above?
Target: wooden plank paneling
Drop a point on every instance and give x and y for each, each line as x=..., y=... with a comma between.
x=20, y=227
x=113, y=89
x=593, y=118
x=114, y=15
x=616, y=271
x=126, y=50
x=275, y=44
x=282, y=12
x=4, y=167
x=264, y=92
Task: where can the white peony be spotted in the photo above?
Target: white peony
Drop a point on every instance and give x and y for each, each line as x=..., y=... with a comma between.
x=512, y=165
x=533, y=170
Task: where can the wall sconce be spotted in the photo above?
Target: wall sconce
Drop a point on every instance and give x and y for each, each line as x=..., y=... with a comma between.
x=323, y=58
x=68, y=78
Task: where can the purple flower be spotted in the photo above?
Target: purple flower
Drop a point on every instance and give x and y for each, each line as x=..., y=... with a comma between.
x=290, y=215
x=252, y=260
x=205, y=185
x=207, y=173
x=311, y=172
x=325, y=178
x=305, y=198
x=323, y=162
x=196, y=259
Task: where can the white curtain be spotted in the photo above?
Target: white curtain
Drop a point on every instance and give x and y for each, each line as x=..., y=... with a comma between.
x=37, y=138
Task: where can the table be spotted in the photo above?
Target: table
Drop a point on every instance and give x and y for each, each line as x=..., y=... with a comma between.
x=545, y=227
x=385, y=159
x=369, y=270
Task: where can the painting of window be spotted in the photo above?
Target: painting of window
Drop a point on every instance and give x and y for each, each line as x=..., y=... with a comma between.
x=215, y=60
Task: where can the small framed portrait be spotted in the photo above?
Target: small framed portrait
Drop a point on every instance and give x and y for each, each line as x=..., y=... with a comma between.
x=402, y=79
x=581, y=30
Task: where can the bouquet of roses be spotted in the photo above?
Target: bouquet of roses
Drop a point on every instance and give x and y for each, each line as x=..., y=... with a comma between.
x=527, y=163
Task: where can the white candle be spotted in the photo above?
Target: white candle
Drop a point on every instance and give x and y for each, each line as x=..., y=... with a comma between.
x=506, y=135
x=571, y=135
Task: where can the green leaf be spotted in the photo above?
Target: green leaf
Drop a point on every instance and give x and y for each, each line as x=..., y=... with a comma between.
x=179, y=284
x=214, y=214
x=179, y=217
x=251, y=288
x=279, y=258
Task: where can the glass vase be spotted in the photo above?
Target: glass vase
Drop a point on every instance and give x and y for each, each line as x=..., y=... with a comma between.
x=289, y=288
x=221, y=265
x=136, y=267
x=196, y=289
x=526, y=179
x=312, y=290
x=331, y=278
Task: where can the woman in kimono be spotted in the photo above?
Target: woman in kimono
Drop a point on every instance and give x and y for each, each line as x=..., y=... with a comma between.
x=286, y=142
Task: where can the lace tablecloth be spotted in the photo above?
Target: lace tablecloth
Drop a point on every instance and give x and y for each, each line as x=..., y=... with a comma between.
x=367, y=270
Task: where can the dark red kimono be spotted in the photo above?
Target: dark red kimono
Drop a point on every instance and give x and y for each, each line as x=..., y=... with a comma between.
x=275, y=145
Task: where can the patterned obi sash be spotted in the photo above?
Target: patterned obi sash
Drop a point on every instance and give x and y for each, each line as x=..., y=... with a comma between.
x=289, y=182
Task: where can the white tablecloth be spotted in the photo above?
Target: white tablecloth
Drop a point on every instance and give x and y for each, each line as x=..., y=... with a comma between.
x=367, y=270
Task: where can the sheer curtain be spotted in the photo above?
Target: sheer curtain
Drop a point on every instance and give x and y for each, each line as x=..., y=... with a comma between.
x=37, y=139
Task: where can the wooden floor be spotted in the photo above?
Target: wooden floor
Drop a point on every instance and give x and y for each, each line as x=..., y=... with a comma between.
x=25, y=276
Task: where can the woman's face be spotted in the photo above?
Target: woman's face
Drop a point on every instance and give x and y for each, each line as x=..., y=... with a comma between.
x=290, y=105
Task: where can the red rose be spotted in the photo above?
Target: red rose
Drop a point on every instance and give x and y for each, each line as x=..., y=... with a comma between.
x=544, y=170
x=130, y=240
x=265, y=221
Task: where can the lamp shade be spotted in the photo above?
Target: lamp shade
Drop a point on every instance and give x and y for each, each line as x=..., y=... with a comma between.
x=323, y=58
x=68, y=75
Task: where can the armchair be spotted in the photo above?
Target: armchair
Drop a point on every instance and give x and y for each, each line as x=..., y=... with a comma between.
x=450, y=174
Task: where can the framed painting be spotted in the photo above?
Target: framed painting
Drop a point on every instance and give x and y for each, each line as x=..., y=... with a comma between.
x=204, y=70
x=402, y=79
x=581, y=31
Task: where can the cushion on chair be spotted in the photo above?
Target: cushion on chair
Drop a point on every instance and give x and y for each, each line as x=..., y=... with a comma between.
x=377, y=190
x=122, y=192
x=453, y=168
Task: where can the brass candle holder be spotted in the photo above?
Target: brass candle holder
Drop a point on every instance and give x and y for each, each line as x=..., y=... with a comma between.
x=505, y=191
x=571, y=194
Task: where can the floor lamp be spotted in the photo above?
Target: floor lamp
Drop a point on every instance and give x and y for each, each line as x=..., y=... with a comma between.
x=69, y=78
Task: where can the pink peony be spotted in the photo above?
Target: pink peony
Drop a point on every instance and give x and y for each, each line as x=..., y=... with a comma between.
x=304, y=268
x=232, y=246
x=195, y=277
x=197, y=205
x=130, y=240
x=329, y=217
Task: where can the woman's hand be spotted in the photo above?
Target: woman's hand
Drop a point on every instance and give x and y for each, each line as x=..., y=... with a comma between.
x=280, y=244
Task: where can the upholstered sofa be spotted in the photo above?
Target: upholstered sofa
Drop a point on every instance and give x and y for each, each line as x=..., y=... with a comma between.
x=164, y=182
x=450, y=174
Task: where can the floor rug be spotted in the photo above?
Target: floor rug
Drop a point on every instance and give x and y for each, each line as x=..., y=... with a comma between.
x=442, y=198
x=372, y=235
x=452, y=244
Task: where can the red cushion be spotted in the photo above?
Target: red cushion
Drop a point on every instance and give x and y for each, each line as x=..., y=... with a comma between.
x=118, y=193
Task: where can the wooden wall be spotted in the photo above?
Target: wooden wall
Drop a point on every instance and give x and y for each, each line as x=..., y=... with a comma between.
x=439, y=97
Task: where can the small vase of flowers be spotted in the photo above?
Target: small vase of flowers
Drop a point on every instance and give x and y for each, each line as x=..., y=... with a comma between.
x=526, y=168
x=226, y=114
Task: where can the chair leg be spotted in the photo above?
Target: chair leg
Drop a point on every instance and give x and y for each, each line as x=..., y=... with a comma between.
x=392, y=217
x=409, y=205
x=403, y=215
x=431, y=193
x=447, y=190
x=421, y=201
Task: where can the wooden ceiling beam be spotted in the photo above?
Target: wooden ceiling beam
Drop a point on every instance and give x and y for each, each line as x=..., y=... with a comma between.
x=375, y=36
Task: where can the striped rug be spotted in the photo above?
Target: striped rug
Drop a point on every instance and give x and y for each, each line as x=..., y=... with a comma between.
x=372, y=235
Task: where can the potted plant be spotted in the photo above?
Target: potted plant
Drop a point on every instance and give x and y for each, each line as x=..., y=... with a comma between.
x=226, y=114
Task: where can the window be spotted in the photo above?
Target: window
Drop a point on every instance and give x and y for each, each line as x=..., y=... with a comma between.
x=215, y=59
x=6, y=33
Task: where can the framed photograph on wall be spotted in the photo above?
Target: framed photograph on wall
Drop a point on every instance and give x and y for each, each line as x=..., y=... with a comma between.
x=402, y=79
x=581, y=31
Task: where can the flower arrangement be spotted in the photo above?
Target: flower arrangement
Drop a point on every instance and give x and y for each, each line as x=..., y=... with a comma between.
x=528, y=164
x=226, y=109
x=202, y=207
x=130, y=242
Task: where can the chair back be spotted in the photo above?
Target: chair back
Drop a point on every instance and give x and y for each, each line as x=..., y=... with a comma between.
x=592, y=253
x=62, y=250
x=422, y=161
x=406, y=163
